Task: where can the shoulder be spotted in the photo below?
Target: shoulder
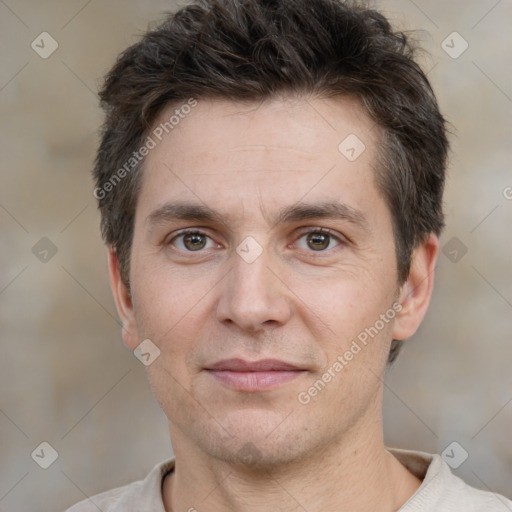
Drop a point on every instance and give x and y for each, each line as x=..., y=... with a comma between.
x=441, y=490
x=141, y=495
x=106, y=501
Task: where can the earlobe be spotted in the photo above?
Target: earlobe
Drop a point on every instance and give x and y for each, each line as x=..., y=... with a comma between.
x=123, y=301
x=416, y=291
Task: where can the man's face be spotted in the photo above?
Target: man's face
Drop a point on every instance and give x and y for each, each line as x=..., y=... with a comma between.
x=260, y=282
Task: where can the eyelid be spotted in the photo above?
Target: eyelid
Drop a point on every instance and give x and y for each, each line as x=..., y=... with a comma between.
x=343, y=240
x=168, y=240
x=327, y=231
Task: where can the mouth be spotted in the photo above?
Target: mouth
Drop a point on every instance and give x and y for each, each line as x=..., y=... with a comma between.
x=254, y=376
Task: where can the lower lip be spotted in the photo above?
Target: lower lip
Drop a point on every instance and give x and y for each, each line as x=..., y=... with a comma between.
x=254, y=381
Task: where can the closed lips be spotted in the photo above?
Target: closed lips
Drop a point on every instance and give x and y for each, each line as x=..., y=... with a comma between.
x=240, y=365
x=253, y=376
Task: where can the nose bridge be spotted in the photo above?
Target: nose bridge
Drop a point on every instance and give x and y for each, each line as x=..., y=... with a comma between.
x=251, y=273
x=252, y=294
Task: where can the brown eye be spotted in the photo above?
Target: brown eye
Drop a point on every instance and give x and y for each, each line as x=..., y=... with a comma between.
x=194, y=241
x=318, y=241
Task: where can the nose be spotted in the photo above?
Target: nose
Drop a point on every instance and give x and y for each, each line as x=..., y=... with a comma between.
x=253, y=295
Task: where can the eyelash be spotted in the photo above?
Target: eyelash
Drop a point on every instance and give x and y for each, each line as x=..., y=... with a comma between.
x=323, y=231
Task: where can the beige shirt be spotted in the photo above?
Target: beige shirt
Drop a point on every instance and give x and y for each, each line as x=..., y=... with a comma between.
x=441, y=490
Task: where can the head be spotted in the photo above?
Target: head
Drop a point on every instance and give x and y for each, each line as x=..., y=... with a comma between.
x=251, y=110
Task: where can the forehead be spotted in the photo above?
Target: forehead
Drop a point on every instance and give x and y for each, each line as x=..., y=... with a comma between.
x=261, y=155
x=297, y=124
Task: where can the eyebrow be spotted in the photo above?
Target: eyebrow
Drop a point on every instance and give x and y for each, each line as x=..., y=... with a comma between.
x=184, y=211
x=329, y=210
x=295, y=213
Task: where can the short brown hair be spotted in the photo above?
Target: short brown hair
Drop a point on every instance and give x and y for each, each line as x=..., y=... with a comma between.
x=254, y=50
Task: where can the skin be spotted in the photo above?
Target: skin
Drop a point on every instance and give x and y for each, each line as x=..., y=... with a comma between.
x=294, y=303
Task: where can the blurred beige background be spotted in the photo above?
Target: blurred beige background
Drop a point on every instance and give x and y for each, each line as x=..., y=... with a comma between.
x=65, y=376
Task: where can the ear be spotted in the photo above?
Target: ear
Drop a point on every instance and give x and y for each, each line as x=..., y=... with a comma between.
x=123, y=301
x=415, y=293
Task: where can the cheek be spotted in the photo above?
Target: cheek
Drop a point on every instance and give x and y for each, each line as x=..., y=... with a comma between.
x=152, y=310
x=356, y=344
x=346, y=301
x=170, y=312
x=163, y=295
x=171, y=309
x=355, y=347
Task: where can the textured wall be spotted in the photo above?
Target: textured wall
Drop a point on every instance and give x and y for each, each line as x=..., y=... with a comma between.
x=65, y=376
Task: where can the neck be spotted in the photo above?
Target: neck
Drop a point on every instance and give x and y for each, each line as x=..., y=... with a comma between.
x=353, y=474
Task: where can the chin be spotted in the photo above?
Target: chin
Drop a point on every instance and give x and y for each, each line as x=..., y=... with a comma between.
x=260, y=439
x=256, y=455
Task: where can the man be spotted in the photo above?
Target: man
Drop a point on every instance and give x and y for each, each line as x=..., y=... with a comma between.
x=270, y=180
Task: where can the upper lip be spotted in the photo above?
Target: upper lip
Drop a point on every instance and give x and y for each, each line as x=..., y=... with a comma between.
x=240, y=365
